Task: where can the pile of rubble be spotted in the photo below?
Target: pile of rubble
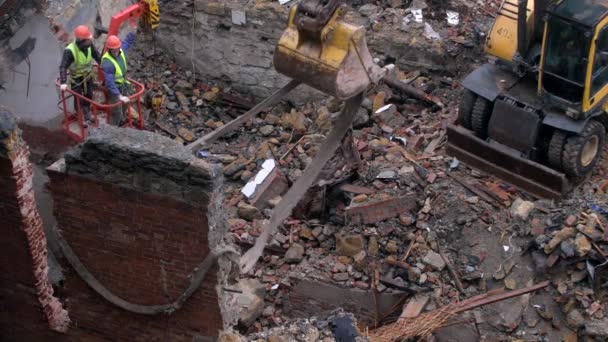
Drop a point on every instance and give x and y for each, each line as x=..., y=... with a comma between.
x=391, y=213
x=180, y=104
x=575, y=254
x=334, y=326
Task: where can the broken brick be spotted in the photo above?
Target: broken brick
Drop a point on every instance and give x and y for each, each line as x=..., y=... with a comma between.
x=377, y=211
x=570, y=220
x=357, y=190
x=414, y=307
x=274, y=185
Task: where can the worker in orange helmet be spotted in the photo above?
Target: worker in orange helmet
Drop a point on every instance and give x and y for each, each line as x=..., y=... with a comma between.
x=77, y=58
x=114, y=65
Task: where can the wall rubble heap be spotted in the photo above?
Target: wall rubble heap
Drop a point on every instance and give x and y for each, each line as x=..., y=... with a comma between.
x=25, y=290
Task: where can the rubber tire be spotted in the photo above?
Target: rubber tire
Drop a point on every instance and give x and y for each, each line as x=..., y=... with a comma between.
x=574, y=146
x=465, y=108
x=556, y=147
x=480, y=117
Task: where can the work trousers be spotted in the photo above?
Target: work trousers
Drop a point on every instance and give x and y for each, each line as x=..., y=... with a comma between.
x=118, y=116
x=83, y=87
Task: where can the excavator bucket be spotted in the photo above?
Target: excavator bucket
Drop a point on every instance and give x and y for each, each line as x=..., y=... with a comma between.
x=326, y=53
x=523, y=173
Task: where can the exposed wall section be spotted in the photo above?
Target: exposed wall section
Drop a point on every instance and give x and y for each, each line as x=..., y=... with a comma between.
x=234, y=40
x=26, y=293
x=229, y=40
x=139, y=211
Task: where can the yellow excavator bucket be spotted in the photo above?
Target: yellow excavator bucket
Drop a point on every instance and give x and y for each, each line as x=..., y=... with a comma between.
x=334, y=60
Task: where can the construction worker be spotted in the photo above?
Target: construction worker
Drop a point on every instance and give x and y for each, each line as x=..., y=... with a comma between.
x=114, y=65
x=77, y=58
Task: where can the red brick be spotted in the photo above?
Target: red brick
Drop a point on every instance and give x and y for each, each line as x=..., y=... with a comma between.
x=376, y=211
x=123, y=237
x=274, y=185
x=24, y=244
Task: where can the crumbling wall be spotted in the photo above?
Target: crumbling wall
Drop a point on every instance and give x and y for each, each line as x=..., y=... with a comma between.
x=141, y=214
x=229, y=40
x=28, y=306
x=234, y=40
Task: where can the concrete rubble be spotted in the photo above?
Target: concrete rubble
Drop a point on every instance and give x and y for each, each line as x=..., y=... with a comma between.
x=451, y=225
x=391, y=214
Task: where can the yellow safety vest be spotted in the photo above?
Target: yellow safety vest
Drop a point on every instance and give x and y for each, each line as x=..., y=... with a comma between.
x=119, y=73
x=81, y=66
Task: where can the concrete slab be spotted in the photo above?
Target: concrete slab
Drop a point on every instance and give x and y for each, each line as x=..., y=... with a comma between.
x=40, y=106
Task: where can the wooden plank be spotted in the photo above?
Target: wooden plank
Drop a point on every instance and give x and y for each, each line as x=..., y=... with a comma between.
x=357, y=190
x=234, y=124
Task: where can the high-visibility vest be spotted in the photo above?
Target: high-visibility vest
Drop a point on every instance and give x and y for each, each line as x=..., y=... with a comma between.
x=119, y=73
x=81, y=66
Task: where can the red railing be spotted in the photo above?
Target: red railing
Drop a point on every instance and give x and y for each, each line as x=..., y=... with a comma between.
x=74, y=122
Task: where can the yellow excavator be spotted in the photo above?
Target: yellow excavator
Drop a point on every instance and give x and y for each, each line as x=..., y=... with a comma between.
x=535, y=115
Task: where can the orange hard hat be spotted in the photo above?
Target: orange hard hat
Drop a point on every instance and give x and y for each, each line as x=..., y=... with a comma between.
x=113, y=42
x=82, y=32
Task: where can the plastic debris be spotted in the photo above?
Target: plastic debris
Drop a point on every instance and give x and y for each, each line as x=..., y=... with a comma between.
x=597, y=208
x=203, y=154
x=430, y=33
x=453, y=18
x=454, y=164
x=267, y=167
x=402, y=140
x=418, y=17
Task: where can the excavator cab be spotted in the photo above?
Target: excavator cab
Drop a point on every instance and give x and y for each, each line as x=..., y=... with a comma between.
x=565, y=61
x=537, y=116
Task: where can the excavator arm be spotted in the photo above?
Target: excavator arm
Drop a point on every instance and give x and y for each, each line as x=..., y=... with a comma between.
x=146, y=10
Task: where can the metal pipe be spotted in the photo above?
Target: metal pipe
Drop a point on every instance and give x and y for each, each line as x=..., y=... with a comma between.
x=522, y=28
x=540, y=6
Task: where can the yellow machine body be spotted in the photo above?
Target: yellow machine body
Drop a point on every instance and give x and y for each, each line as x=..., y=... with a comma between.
x=337, y=63
x=540, y=121
x=152, y=16
x=502, y=39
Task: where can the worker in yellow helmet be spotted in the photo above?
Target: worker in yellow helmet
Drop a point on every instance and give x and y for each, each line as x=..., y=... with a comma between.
x=77, y=58
x=114, y=65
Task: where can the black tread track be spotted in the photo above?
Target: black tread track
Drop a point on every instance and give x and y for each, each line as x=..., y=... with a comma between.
x=556, y=146
x=574, y=146
x=466, y=107
x=480, y=117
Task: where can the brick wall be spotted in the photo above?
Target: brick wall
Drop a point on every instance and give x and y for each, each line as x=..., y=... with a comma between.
x=133, y=206
x=140, y=246
x=51, y=142
x=27, y=304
